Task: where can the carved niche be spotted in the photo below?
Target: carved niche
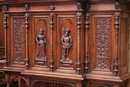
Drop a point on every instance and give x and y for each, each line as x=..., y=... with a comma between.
x=40, y=55
x=66, y=44
x=19, y=40
x=102, y=43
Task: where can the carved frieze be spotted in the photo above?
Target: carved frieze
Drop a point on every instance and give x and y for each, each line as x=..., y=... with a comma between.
x=19, y=40
x=102, y=43
x=66, y=41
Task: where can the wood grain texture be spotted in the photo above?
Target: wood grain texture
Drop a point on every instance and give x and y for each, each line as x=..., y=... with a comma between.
x=65, y=43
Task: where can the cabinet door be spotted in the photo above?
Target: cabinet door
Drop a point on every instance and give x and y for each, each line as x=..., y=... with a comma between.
x=101, y=43
x=39, y=40
x=16, y=39
x=66, y=41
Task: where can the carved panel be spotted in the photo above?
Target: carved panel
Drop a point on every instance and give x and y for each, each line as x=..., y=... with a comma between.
x=41, y=44
x=66, y=40
x=123, y=56
x=124, y=42
x=40, y=35
x=102, y=43
x=19, y=40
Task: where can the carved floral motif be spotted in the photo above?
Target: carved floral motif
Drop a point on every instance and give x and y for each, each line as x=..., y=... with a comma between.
x=102, y=42
x=19, y=40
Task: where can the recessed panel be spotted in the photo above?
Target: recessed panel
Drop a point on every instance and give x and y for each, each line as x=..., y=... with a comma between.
x=66, y=37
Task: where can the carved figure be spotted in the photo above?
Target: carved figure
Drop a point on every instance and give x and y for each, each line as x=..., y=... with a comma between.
x=66, y=41
x=41, y=41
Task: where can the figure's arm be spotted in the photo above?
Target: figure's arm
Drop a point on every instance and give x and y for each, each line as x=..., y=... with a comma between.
x=45, y=40
x=71, y=41
x=37, y=39
x=62, y=39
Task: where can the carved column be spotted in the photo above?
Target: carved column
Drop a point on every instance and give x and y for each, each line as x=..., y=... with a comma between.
x=78, y=63
x=116, y=25
x=7, y=80
x=78, y=84
x=5, y=28
x=51, y=41
x=116, y=85
x=27, y=82
x=86, y=42
x=27, y=27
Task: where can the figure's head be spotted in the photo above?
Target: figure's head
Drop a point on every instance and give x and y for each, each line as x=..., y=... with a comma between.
x=67, y=32
x=41, y=31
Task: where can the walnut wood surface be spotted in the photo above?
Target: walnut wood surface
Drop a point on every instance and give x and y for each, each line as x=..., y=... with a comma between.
x=64, y=43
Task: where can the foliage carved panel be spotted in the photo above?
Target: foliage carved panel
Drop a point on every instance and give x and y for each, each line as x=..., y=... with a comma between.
x=19, y=40
x=102, y=43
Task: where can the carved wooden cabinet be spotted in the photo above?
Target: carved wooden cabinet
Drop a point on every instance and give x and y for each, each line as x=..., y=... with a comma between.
x=65, y=43
x=107, y=30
